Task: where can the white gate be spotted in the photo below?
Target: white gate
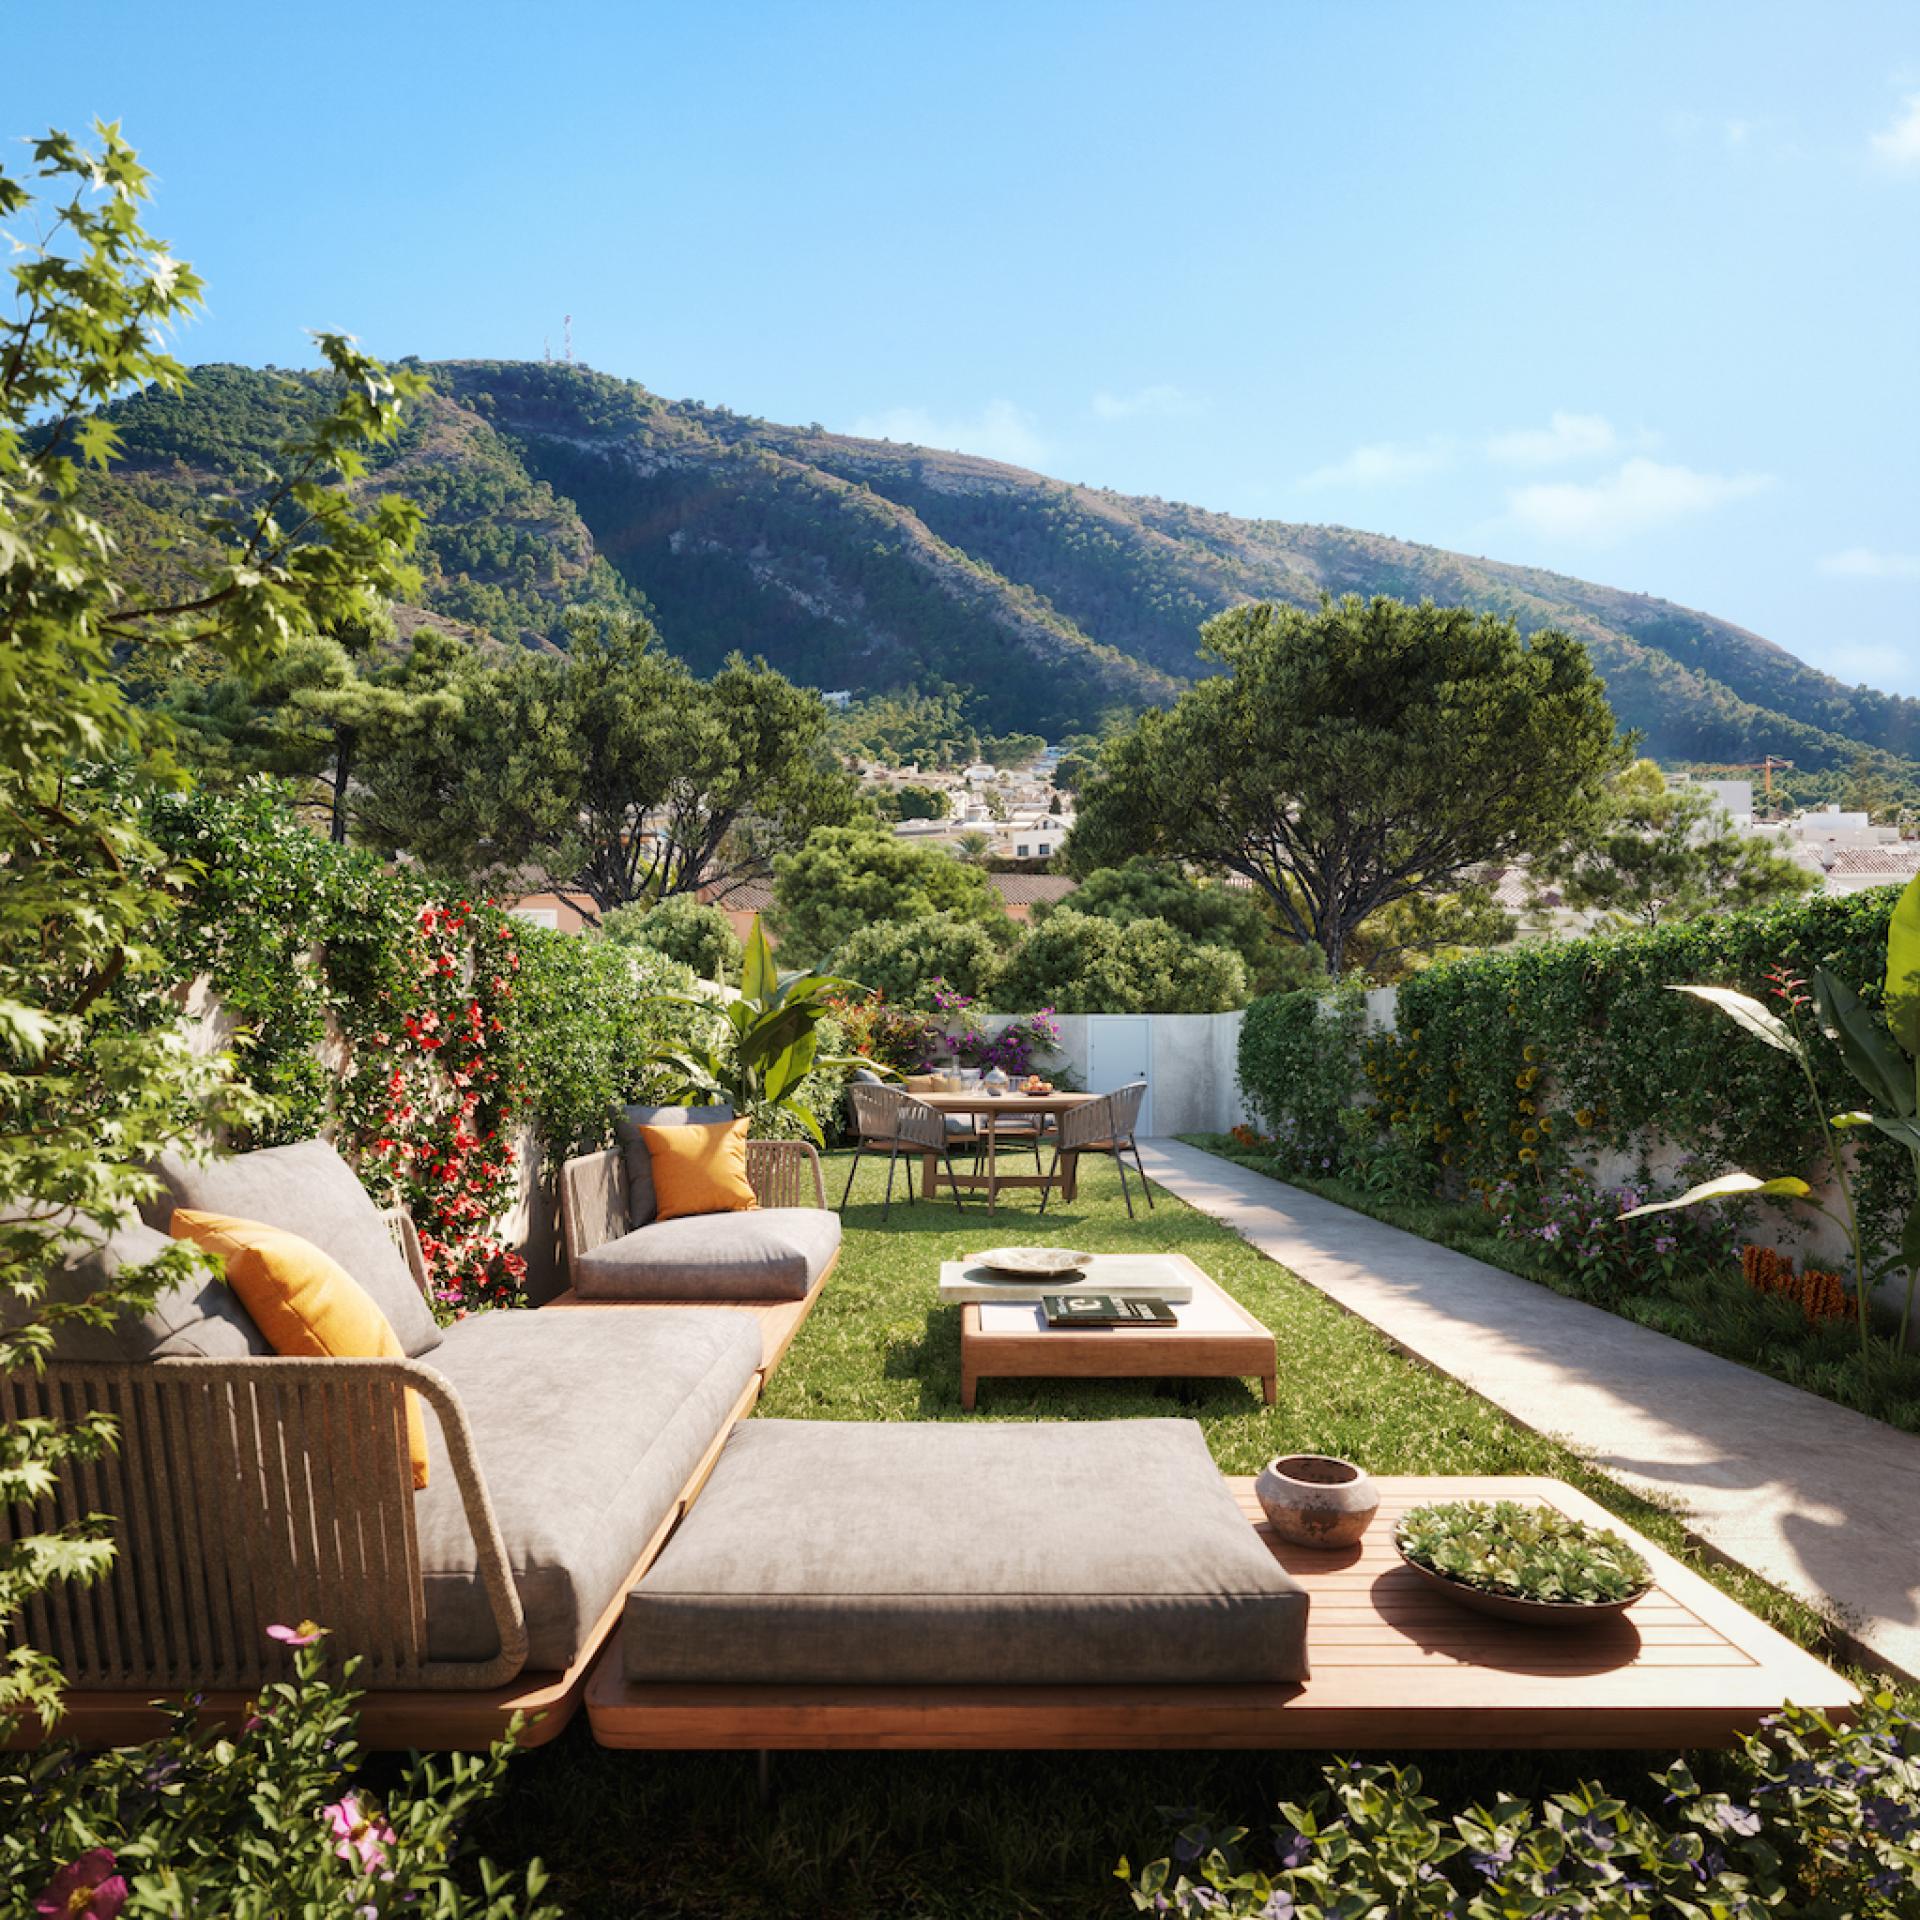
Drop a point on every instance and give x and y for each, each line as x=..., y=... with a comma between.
x=1120, y=1050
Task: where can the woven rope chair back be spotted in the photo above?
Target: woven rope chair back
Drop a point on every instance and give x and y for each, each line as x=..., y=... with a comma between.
x=1126, y=1102
x=1090, y=1122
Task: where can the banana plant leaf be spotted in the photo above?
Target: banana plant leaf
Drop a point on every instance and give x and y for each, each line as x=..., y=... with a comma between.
x=1903, y=970
x=1729, y=1186
x=1865, y=1045
x=1745, y=1011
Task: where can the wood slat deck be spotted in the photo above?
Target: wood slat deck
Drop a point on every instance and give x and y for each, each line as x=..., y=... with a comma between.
x=1394, y=1666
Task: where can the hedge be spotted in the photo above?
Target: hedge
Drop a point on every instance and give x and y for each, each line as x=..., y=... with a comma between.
x=1546, y=1054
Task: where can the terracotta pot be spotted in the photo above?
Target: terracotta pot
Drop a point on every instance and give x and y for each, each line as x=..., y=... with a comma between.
x=1315, y=1500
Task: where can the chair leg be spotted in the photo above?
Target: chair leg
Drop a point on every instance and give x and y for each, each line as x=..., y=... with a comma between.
x=953, y=1185
x=858, y=1149
x=893, y=1160
x=1046, y=1192
x=908, y=1169
x=1146, y=1186
x=1120, y=1161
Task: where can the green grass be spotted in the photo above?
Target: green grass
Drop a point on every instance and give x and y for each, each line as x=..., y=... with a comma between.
x=975, y=1836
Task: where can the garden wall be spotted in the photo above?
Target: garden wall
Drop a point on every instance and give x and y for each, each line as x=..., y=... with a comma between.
x=1190, y=1062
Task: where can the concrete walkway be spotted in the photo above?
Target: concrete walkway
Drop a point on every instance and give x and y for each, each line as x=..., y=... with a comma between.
x=1818, y=1501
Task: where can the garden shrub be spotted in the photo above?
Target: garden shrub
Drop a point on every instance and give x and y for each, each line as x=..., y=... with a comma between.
x=684, y=929
x=259, y=1823
x=1082, y=963
x=907, y=959
x=1300, y=1070
x=1826, y=1826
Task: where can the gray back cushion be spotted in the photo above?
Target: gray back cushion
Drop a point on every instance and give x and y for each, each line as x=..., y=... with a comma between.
x=641, y=1206
x=309, y=1190
x=198, y=1316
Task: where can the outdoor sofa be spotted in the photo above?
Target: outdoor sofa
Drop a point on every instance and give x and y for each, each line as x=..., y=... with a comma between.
x=249, y=1488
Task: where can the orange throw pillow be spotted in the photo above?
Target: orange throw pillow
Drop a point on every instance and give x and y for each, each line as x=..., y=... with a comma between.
x=303, y=1300
x=699, y=1168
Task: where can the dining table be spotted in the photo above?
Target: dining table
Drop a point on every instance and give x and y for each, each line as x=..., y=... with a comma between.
x=986, y=1109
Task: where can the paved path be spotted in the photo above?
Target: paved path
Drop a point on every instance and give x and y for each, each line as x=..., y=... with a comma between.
x=1818, y=1501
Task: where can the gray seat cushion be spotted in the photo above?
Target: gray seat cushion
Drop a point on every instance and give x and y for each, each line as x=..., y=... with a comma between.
x=627, y=1123
x=309, y=1190
x=936, y=1554
x=772, y=1253
x=586, y=1425
x=201, y=1316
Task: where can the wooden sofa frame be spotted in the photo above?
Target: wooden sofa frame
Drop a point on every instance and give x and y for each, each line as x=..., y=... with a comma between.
x=593, y=1212
x=270, y=1488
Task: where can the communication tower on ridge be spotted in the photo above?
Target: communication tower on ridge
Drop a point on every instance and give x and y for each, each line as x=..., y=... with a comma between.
x=569, y=339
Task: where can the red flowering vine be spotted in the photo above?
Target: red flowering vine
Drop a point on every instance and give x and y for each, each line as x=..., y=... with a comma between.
x=434, y=1098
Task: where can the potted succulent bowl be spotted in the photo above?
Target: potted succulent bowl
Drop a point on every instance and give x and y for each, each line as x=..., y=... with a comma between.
x=1316, y=1500
x=1525, y=1563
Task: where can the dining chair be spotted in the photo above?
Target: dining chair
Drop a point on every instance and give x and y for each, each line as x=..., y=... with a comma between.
x=885, y=1117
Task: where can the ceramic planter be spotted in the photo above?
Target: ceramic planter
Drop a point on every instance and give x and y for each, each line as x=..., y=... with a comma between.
x=1315, y=1500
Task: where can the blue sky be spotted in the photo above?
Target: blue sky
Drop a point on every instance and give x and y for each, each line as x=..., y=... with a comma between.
x=1632, y=291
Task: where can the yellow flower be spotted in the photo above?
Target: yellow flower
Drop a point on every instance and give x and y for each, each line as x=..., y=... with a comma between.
x=1526, y=1106
x=1584, y=1118
x=1530, y=1053
x=1546, y=1125
x=1527, y=1153
x=1530, y=1135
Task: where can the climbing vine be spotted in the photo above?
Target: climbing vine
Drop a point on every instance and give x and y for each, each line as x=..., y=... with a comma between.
x=430, y=1038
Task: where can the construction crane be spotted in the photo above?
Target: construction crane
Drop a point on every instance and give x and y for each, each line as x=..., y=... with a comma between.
x=1765, y=768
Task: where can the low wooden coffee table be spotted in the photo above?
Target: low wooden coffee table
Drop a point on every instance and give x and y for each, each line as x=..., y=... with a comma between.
x=1216, y=1338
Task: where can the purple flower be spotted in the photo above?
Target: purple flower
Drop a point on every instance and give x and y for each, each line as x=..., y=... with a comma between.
x=1295, y=1850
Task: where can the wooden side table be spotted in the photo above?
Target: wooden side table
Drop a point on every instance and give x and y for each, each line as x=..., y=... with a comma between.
x=1216, y=1338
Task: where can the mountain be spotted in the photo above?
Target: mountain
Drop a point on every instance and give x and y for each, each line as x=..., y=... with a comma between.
x=870, y=565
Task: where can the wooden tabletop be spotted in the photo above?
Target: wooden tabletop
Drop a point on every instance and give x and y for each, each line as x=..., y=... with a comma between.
x=980, y=1101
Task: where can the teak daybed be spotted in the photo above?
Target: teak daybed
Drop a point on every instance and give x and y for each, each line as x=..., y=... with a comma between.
x=1394, y=1666
x=250, y=1488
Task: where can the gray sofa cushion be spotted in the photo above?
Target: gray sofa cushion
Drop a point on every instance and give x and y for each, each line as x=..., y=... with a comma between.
x=586, y=1424
x=309, y=1190
x=937, y=1554
x=200, y=1316
x=626, y=1126
x=772, y=1253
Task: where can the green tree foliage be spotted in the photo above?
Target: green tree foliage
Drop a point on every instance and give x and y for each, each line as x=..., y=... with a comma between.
x=682, y=928
x=847, y=878
x=96, y=1078
x=1356, y=756
x=1651, y=852
x=311, y=713
x=909, y=728
x=1080, y=963
x=1204, y=912
x=904, y=958
x=912, y=803
x=610, y=770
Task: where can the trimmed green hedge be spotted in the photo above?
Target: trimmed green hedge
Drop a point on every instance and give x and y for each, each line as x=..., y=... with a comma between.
x=1545, y=1054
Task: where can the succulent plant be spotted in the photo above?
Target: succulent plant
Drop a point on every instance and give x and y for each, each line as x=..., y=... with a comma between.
x=1523, y=1553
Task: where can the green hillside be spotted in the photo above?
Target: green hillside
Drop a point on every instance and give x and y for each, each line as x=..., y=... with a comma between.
x=871, y=565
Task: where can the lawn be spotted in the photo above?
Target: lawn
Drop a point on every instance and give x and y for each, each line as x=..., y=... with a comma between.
x=985, y=1835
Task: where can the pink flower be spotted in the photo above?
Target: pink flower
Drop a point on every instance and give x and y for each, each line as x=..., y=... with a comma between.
x=85, y=1889
x=304, y=1635
x=359, y=1837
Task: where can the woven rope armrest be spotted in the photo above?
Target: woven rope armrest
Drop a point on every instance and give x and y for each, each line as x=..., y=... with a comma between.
x=785, y=1173
x=245, y=1492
